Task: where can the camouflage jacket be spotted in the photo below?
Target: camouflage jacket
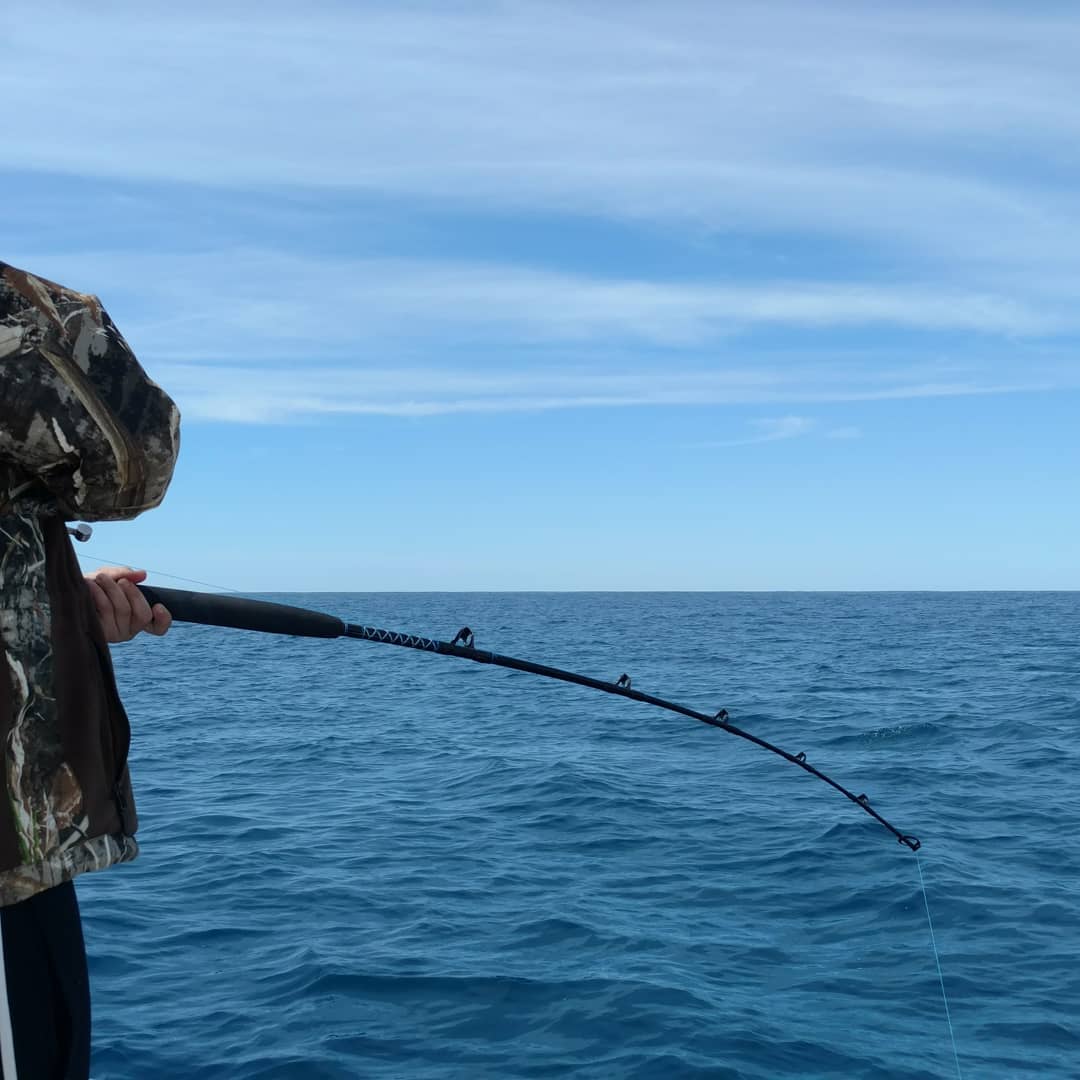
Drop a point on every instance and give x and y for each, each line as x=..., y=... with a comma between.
x=83, y=434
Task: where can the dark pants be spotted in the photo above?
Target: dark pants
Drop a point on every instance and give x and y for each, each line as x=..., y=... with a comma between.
x=48, y=990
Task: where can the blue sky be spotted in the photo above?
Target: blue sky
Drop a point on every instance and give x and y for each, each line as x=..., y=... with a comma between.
x=575, y=296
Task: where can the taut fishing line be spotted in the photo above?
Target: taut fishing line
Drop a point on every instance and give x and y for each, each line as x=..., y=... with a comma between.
x=937, y=961
x=240, y=613
x=158, y=573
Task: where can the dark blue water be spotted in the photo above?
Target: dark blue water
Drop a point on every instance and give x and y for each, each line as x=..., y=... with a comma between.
x=360, y=861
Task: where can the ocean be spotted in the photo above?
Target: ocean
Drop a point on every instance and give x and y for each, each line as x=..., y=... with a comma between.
x=363, y=861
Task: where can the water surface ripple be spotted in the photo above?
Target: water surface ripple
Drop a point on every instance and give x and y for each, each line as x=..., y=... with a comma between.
x=360, y=861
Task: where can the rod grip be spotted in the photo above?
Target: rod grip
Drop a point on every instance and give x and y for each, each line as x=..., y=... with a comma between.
x=211, y=609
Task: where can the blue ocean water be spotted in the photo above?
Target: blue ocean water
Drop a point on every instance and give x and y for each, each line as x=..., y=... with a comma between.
x=361, y=861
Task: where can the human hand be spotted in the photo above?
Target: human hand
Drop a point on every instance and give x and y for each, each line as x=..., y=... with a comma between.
x=123, y=610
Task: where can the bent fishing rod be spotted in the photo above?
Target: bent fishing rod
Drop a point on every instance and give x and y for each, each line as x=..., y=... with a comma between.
x=239, y=613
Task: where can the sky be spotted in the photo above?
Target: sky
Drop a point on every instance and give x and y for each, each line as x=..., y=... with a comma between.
x=589, y=295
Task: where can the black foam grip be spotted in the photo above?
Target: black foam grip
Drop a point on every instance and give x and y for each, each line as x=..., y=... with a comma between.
x=212, y=609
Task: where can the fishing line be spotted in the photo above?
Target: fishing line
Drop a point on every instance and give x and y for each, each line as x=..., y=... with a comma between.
x=159, y=573
x=82, y=532
x=243, y=614
x=937, y=961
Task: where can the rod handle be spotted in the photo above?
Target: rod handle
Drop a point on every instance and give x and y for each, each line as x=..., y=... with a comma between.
x=211, y=609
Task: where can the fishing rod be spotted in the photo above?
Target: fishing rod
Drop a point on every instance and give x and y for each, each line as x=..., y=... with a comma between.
x=239, y=613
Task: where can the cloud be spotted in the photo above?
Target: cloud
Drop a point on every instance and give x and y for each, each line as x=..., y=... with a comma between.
x=917, y=171
x=228, y=304
x=784, y=427
x=247, y=395
x=257, y=336
x=940, y=133
x=768, y=430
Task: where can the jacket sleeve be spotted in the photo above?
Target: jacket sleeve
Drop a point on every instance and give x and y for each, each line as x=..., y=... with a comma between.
x=78, y=415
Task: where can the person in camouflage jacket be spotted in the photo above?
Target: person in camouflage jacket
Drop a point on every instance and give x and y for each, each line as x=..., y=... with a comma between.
x=84, y=434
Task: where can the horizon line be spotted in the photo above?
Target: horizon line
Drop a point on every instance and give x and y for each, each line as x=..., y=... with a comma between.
x=743, y=590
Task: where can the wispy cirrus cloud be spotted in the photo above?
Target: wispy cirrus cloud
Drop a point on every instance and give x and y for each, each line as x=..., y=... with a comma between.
x=246, y=395
x=228, y=303
x=940, y=133
x=765, y=430
x=693, y=118
x=261, y=337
